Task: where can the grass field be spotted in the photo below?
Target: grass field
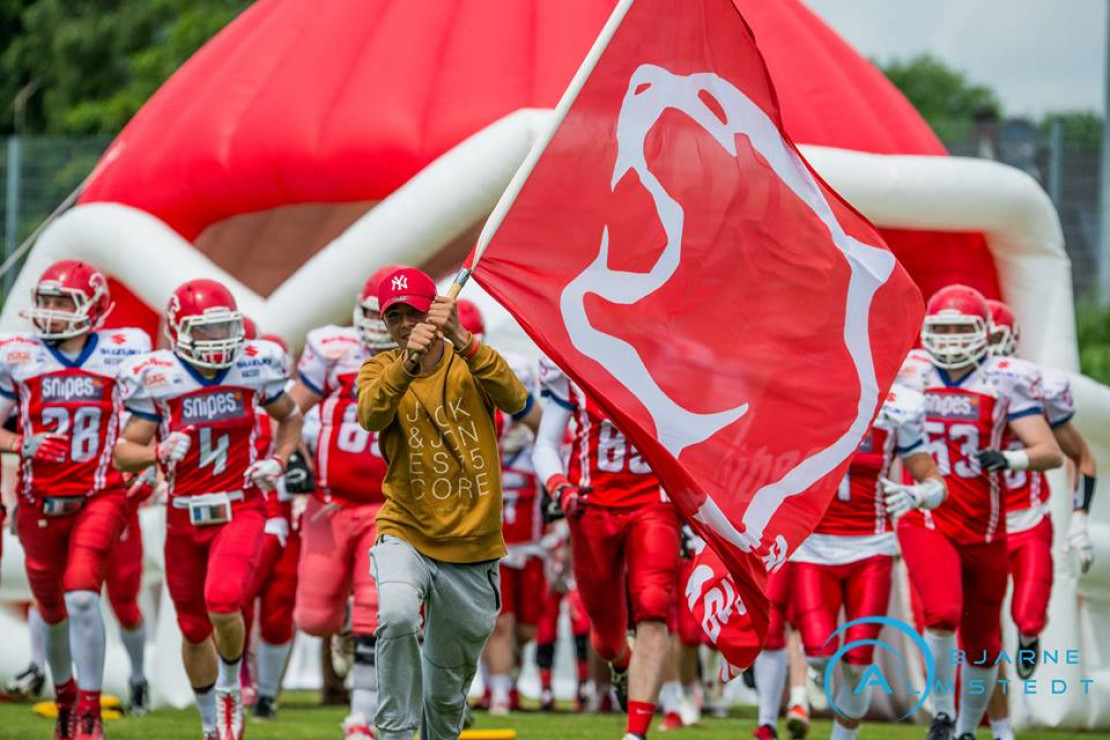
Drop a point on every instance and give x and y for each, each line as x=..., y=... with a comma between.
x=301, y=719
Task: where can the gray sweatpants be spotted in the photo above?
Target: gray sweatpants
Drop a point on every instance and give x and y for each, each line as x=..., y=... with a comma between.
x=461, y=603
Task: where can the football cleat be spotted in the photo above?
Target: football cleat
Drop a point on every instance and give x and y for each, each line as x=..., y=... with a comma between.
x=582, y=696
x=500, y=708
x=357, y=727
x=89, y=727
x=765, y=732
x=620, y=686
x=140, y=699
x=547, y=700
x=26, y=685
x=265, y=708
x=342, y=645
x=1026, y=664
x=229, y=715
x=797, y=722
x=671, y=721
x=942, y=728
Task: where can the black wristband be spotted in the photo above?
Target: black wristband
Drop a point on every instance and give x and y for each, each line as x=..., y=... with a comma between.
x=1084, y=492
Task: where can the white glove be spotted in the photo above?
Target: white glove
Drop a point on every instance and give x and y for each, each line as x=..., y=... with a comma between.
x=278, y=527
x=1079, y=542
x=173, y=448
x=265, y=473
x=902, y=498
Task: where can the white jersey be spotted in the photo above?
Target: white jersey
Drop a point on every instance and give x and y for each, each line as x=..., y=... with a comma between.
x=74, y=396
x=219, y=413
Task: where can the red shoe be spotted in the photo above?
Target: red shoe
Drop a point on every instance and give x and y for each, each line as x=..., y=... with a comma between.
x=671, y=721
x=514, y=700
x=582, y=697
x=484, y=702
x=547, y=700
x=65, y=727
x=606, y=703
x=765, y=732
x=89, y=727
x=797, y=722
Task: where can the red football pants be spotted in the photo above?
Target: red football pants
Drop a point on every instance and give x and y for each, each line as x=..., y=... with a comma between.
x=1030, y=555
x=961, y=586
x=209, y=568
x=862, y=588
x=613, y=546
x=780, y=593
x=69, y=553
x=682, y=621
x=547, y=630
x=274, y=587
x=125, y=574
x=522, y=591
x=335, y=560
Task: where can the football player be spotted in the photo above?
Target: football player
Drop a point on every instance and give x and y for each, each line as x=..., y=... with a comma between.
x=193, y=415
x=956, y=554
x=1028, y=525
x=848, y=560
x=72, y=504
x=623, y=528
x=338, y=526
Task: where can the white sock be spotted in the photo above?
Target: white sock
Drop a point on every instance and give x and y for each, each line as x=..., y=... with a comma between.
x=840, y=732
x=976, y=687
x=37, y=628
x=86, y=638
x=271, y=664
x=206, y=706
x=364, y=690
x=798, y=697
x=57, y=651
x=500, y=684
x=853, y=705
x=134, y=642
x=670, y=697
x=1001, y=729
x=228, y=678
x=770, y=680
x=944, y=691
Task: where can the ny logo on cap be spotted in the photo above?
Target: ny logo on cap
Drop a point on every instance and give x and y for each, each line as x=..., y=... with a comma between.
x=401, y=282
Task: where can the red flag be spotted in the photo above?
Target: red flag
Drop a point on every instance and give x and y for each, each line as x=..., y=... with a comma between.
x=673, y=252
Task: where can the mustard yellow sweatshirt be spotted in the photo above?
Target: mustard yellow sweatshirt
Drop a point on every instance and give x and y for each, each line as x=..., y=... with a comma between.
x=436, y=432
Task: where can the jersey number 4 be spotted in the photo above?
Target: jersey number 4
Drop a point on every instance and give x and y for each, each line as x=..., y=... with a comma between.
x=84, y=431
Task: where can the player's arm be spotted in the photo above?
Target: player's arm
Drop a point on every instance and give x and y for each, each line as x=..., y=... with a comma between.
x=9, y=440
x=135, y=450
x=561, y=497
x=1040, y=453
x=287, y=435
x=303, y=396
x=929, y=492
x=531, y=418
x=1078, y=539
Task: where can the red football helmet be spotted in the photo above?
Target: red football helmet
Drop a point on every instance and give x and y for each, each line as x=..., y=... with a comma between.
x=470, y=317
x=79, y=282
x=204, y=324
x=367, y=320
x=1005, y=330
x=954, y=333
x=279, y=341
x=250, y=329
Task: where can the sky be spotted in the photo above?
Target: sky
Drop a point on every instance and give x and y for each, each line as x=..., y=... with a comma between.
x=1038, y=55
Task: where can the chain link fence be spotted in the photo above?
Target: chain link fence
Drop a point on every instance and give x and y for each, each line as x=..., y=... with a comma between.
x=39, y=172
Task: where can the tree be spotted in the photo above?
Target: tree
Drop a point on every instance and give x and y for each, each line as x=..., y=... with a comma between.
x=93, y=63
x=946, y=99
x=1081, y=129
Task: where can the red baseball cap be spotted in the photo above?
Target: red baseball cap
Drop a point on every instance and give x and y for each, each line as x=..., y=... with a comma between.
x=406, y=285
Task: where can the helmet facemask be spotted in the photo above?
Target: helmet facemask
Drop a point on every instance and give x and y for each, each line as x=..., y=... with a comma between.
x=73, y=322
x=1003, y=341
x=954, y=340
x=211, y=340
x=372, y=331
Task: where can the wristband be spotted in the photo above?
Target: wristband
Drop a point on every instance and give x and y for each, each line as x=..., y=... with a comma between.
x=933, y=492
x=469, y=349
x=1016, y=459
x=1084, y=492
x=279, y=462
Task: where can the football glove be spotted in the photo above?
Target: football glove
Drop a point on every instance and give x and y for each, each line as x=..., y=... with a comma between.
x=298, y=475
x=44, y=447
x=1079, y=542
x=901, y=498
x=265, y=473
x=173, y=448
x=278, y=527
x=562, y=499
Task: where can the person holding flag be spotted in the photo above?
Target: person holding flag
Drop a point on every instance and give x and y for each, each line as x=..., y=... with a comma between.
x=439, y=531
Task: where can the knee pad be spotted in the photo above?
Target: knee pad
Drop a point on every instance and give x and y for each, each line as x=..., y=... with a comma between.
x=652, y=604
x=82, y=604
x=545, y=654
x=194, y=629
x=945, y=619
x=365, y=649
x=317, y=622
x=223, y=600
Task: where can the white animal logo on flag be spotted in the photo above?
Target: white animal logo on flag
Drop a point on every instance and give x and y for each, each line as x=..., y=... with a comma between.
x=651, y=91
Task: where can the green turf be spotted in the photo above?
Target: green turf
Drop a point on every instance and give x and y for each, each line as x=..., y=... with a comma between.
x=300, y=719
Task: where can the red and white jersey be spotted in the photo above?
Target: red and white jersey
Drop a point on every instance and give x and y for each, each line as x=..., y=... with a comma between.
x=75, y=396
x=856, y=525
x=521, y=521
x=600, y=457
x=220, y=414
x=962, y=418
x=349, y=464
x=1026, y=490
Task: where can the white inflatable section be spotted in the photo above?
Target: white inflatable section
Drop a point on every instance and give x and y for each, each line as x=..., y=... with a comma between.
x=459, y=189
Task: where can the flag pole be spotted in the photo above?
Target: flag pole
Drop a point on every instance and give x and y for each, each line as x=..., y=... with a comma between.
x=522, y=174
